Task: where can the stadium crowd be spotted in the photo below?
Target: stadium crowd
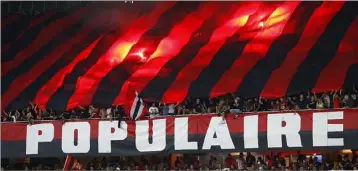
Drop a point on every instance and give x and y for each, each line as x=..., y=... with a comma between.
x=193, y=162
x=229, y=103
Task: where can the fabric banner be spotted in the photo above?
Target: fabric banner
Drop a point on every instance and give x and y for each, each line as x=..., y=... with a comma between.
x=303, y=130
x=172, y=50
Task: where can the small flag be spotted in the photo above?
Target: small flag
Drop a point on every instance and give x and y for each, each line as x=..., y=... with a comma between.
x=134, y=106
x=72, y=163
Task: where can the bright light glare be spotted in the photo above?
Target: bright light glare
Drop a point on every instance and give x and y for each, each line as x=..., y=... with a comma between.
x=119, y=51
x=140, y=54
x=261, y=24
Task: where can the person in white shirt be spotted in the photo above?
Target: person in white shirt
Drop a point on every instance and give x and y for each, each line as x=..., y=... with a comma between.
x=109, y=113
x=240, y=162
x=153, y=110
x=171, y=110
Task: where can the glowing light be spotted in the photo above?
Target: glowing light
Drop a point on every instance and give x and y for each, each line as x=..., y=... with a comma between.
x=119, y=51
x=140, y=54
x=261, y=24
x=239, y=21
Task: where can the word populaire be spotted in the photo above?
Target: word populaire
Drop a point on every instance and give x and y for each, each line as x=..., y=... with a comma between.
x=76, y=136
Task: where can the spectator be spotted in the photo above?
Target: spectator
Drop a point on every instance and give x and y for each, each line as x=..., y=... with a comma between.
x=171, y=108
x=312, y=103
x=276, y=105
x=267, y=106
x=351, y=102
x=4, y=116
x=268, y=162
x=229, y=161
x=109, y=113
x=102, y=113
x=93, y=112
x=319, y=104
x=317, y=164
x=81, y=112
x=29, y=116
x=257, y=105
x=300, y=157
x=196, y=163
x=189, y=106
x=34, y=110
x=235, y=107
x=222, y=109
x=240, y=162
x=211, y=107
x=345, y=101
x=213, y=163
x=164, y=108
x=250, y=160
x=183, y=108
x=198, y=107
x=355, y=100
x=302, y=102
x=178, y=163
x=261, y=165
x=326, y=100
x=153, y=110
x=291, y=103
x=250, y=106
x=347, y=165
x=283, y=104
x=336, y=100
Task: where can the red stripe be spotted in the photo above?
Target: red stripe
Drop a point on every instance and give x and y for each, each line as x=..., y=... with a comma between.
x=44, y=36
x=197, y=124
x=86, y=86
x=191, y=71
x=21, y=82
x=280, y=78
x=333, y=75
x=169, y=47
x=255, y=50
x=45, y=93
x=67, y=162
x=48, y=89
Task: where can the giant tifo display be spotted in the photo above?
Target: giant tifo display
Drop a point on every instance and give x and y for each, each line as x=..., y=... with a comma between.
x=304, y=130
x=168, y=51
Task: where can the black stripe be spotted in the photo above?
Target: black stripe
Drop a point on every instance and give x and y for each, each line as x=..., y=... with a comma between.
x=136, y=110
x=221, y=62
x=112, y=83
x=11, y=30
x=60, y=99
x=29, y=36
x=157, y=87
x=29, y=93
x=31, y=61
x=351, y=77
x=324, y=50
x=254, y=81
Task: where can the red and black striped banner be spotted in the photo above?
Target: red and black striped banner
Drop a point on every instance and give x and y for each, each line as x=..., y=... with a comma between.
x=172, y=50
x=303, y=130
